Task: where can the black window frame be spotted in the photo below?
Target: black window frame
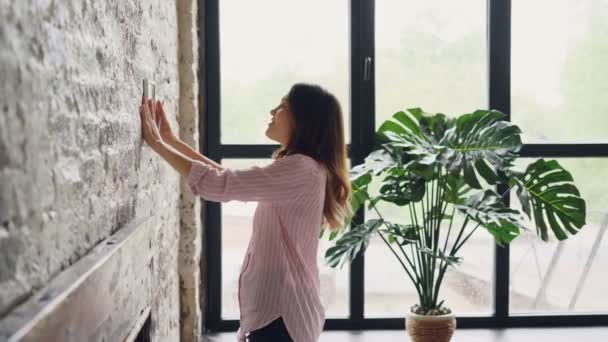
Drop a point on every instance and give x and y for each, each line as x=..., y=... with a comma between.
x=362, y=100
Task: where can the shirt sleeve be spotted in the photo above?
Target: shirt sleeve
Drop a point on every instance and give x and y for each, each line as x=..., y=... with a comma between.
x=284, y=179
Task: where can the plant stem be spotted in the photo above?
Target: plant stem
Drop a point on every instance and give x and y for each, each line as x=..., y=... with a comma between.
x=394, y=253
x=464, y=224
x=432, y=214
x=400, y=247
x=424, y=257
x=442, y=269
x=466, y=238
x=388, y=244
x=443, y=266
x=447, y=237
x=440, y=212
x=424, y=218
x=427, y=258
x=415, y=225
x=414, y=218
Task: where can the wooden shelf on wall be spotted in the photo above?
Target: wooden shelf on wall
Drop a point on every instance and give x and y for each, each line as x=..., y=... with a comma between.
x=106, y=295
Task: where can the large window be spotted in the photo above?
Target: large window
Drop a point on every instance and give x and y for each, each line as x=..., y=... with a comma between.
x=445, y=56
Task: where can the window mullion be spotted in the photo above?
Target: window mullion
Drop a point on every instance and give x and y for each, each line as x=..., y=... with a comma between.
x=499, y=45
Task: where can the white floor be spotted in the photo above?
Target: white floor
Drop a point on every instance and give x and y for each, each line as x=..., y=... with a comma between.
x=462, y=335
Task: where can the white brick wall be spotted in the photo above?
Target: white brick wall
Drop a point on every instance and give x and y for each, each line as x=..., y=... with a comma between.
x=72, y=165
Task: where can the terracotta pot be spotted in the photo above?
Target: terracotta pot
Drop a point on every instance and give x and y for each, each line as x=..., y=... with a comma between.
x=430, y=328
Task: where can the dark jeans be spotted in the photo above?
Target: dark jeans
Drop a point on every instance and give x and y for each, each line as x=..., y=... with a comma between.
x=276, y=331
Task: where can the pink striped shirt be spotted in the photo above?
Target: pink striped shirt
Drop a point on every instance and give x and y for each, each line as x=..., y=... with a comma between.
x=279, y=276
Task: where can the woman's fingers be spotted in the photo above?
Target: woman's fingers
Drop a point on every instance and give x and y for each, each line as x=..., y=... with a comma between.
x=163, y=123
x=146, y=115
x=160, y=113
x=162, y=116
x=160, y=109
x=145, y=118
x=143, y=113
x=158, y=118
x=152, y=116
x=144, y=122
x=153, y=131
x=141, y=118
x=147, y=123
x=150, y=112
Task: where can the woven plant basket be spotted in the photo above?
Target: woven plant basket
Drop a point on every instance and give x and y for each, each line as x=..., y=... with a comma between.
x=430, y=328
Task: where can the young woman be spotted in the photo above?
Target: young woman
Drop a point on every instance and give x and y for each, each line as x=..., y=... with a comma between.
x=304, y=188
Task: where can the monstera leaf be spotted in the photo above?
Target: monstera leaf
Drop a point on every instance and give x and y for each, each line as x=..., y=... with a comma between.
x=404, y=132
x=404, y=123
x=378, y=161
x=547, y=189
x=456, y=189
x=351, y=243
x=361, y=175
x=400, y=187
x=449, y=260
x=477, y=139
x=486, y=209
x=359, y=184
x=435, y=126
x=403, y=234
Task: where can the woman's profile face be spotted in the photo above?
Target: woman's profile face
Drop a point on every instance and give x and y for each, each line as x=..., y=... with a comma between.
x=281, y=123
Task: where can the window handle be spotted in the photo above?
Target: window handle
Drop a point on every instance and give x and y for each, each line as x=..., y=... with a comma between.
x=367, y=68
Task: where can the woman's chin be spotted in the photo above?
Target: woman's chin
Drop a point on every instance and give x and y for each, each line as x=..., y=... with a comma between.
x=270, y=136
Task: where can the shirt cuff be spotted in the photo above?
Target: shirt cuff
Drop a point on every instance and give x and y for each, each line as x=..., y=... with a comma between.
x=240, y=336
x=197, y=172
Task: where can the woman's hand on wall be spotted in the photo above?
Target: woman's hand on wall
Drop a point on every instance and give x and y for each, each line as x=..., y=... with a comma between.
x=149, y=124
x=170, y=139
x=164, y=126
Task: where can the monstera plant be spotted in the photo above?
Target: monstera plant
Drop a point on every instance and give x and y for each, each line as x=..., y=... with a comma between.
x=435, y=168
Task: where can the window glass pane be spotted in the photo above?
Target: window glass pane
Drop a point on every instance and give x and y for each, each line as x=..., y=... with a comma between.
x=430, y=54
x=268, y=45
x=467, y=289
x=237, y=224
x=558, y=70
x=554, y=277
x=335, y=284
